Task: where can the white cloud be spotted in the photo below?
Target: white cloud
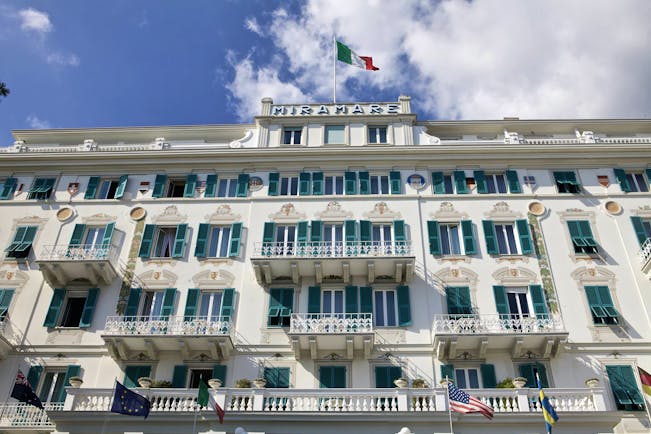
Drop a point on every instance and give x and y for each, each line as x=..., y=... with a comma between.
x=459, y=59
x=33, y=20
x=62, y=59
x=252, y=25
x=36, y=123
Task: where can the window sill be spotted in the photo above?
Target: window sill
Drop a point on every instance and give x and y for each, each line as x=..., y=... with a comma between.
x=453, y=258
x=508, y=258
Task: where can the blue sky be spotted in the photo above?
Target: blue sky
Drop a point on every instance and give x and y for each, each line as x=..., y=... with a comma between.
x=88, y=63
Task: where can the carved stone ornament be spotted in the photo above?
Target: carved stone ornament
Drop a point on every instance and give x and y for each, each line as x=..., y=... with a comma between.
x=594, y=276
x=515, y=276
x=643, y=211
x=456, y=276
x=447, y=213
x=29, y=221
x=334, y=212
x=381, y=213
x=158, y=279
x=213, y=279
x=170, y=215
x=287, y=214
x=501, y=211
x=13, y=278
x=240, y=142
x=99, y=219
x=224, y=214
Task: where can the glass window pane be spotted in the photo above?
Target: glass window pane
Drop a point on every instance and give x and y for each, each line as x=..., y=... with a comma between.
x=454, y=240
x=513, y=246
x=215, y=310
x=641, y=182
x=232, y=187
x=445, y=240
x=473, y=379
x=372, y=135
x=391, y=308
x=374, y=185
x=327, y=302
x=225, y=238
x=383, y=135
x=294, y=186
x=386, y=236
x=214, y=242
x=339, y=302
x=328, y=184
x=461, y=378
x=524, y=305
x=379, y=308
x=205, y=305
x=103, y=190
x=631, y=181
x=46, y=386
x=501, y=183
x=501, y=239
x=339, y=185
x=284, y=186
x=384, y=182
x=513, y=303
x=447, y=181
x=334, y=134
x=157, y=305
x=222, y=190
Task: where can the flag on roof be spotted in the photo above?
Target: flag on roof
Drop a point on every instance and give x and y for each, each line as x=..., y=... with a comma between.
x=461, y=402
x=23, y=391
x=549, y=414
x=128, y=402
x=205, y=399
x=346, y=55
x=645, y=378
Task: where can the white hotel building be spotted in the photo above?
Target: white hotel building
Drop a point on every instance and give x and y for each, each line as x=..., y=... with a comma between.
x=328, y=250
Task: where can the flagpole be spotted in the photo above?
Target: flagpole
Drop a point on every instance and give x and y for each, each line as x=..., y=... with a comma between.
x=637, y=374
x=334, y=69
x=447, y=394
x=108, y=412
x=194, y=424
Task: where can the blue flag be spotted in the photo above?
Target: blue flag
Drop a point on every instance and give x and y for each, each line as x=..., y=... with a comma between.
x=128, y=402
x=549, y=414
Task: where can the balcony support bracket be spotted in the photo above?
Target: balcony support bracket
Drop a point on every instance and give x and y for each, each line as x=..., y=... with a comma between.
x=313, y=348
x=350, y=351
x=371, y=271
x=483, y=346
x=318, y=272
x=517, y=348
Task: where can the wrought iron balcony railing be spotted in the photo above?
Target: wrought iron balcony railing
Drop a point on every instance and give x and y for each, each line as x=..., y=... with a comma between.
x=487, y=324
x=331, y=323
x=20, y=414
x=79, y=252
x=333, y=249
x=645, y=252
x=164, y=326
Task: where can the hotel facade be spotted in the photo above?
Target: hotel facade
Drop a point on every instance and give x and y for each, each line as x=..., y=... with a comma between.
x=327, y=267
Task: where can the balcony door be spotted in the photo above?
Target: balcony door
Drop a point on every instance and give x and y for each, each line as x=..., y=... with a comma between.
x=152, y=306
x=211, y=305
x=94, y=237
x=285, y=239
x=333, y=239
x=332, y=377
x=518, y=303
x=381, y=237
x=332, y=301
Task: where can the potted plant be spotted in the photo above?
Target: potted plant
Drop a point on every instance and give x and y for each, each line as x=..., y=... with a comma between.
x=259, y=383
x=592, y=383
x=243, y=383
x=519, y=382
x=161, y=384
x=76, y=382
x=145, y=382
x=215, y=383
x=401, y=382
x=419, y=383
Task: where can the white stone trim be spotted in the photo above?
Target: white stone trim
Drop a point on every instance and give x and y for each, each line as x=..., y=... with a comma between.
x=169, y=216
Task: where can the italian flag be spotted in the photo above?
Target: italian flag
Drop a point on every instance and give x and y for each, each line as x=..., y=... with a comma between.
x=346, y=55
x=645, y=378
x=205, y=399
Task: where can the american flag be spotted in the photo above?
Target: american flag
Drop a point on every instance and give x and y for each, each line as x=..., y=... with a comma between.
x=461, y=402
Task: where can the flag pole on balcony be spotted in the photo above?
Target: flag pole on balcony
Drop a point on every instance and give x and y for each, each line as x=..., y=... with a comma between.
x=447, y=395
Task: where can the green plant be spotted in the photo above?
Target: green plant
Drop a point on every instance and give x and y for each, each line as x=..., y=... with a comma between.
x=161, y=384
x=507, y=383
x=419, y=383
x=243, y=383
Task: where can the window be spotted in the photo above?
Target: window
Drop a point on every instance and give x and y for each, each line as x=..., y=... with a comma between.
x=332, y=301
x=333, y=238
x=7, y=188
x=163, y=241
x=566, y=182
x=289, y=186
x=377, y=134
x=458, y=299
x=506, y=241
x=624, y=388
x=386, y=375
x=227, y=187
x=152, y=306
x=53, y=383
x=285, y=239
x=210, y=306
x=197, y=375
x=631, y=181
x=335, y=135
x=332, y=377
x=516, y=303
x=381, y=235
x=5, y=301
x=281, y=305
x=380, y=184
x=277, y=378
x=449, y=239
x=334, y=184
x=471, y=377
x=71, y=308
x=642, y=229
x=385, y=308
x=601, y=305
x=504, y=182
x=292, y=135
x=22, y=243
x=132, y=373
x=99, y=188
x=467, y=378
x=175, y=188
x=450, y=244
x=449, y=183
x=532, y=371
x=581, y=235
x=41, y=188
x=218, y=241
x=508, y=238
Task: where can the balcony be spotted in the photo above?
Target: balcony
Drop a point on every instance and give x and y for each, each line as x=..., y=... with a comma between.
x=10, y=336
x=127, y=337
x=319, y=332
x=324, y=259
x=645, y=257
x=475, y=334
x=63, y=263
x=24, y=418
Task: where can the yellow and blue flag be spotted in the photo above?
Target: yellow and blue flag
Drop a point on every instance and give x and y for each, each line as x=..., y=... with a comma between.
x=547, y=408
x=128, y=402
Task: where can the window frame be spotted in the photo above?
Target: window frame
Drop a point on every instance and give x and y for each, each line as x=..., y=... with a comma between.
x=565, y=186
x=385, y=315
x=344, y=130
x=466, y=380
x=380, y=181
x=336, y=182
x=173, y=184
x=100, y=187
x=288, y=185
x=59, y=372
x=223, y=243
x=377, y=132
x=507, y=243
x=230, y=186
x=292, y=130
x=154, y=245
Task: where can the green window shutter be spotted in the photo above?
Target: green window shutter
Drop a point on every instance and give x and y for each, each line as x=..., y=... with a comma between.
x=404, y=306
x=159, y=186
x=34, y=375
x=434, y=237
x=438, y=182
x=179, y=240
x=133, y=302
x=168, y=303
x=283, y=378
x=191, y=304
x=202, y=240
x=18, y=238
x=339, y=376
x=538, y=300
x=594, y=302
x=314, y=299
x=132, y=373
x=607, y=303
x=514, y=183
x=275, y=305
x=316, y=230
x=274, y=184
x=489, y=236
x=365, y=231
x=527, y=371
x=317, y=183
x=542, y=374
x=501, y=303
x=526, y=243
x=458, y=298
x=469, y=246
x=122, y=186
x=621, y=178
x=219, y=372
x=488, y=379
x=480, y=181
x=179, y=376
x=365, y=299
x=350, y=228
x=242, y=185
x=91, y=189
x=190, y=185
x=364, y=183
x=89, y=308
x=5, y=301
x=268, y=238
x=447, y=371
x=385, y=375
x=460, y=182
x=228, y=302
x=147, y=241
x=71, y=371
x=8, y=189
x=575, y=232
x=399, y=231
x=301, y=235
x=350, y=183
x=304, y=184
x=624, y=387
x=236, y=240
x=276, y=377
x=648, y=175
x=395, y=182
x=351, y=296
x=640, y=232
x=586, y=233
x=108, y=234
x=211, y=186
x=52, y=315
x=77, y=235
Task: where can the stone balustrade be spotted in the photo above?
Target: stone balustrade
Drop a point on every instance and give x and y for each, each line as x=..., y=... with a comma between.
x=335, y=323
x=19, y=414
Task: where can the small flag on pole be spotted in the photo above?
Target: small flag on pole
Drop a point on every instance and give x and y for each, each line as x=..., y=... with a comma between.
x=205, y=399
x=23, y=391
x=461, y=402
x=549, y=414
x=645, y=378
x=346, y=55
x=128, y=402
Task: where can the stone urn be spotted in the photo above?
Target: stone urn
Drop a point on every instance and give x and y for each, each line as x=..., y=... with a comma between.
x=401, y=383
x=215, y=383
x=76, y=382
x=592, y=383
x=259, y=383
x=519, y=382
x=144, y=382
